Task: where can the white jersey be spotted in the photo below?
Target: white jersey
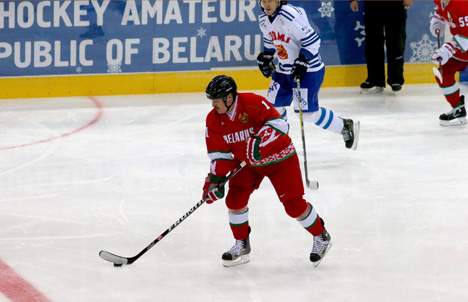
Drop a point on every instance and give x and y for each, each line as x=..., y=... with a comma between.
x=288, y=35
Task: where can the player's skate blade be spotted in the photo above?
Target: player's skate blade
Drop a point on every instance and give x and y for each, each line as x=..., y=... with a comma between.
x=350, y=133
x=373, y=90
x=455, y=122
x=456, y=116
x=369, y=88
x=243, y=259
x=238, y=254
x=357, y=127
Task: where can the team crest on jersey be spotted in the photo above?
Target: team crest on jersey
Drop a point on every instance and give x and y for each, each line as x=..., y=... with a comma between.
x=281, y=52
x=243, y=117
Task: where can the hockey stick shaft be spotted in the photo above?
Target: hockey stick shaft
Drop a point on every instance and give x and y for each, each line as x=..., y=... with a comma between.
x=299, y=98
x=314, y=185
x=119, y=260
x=438, y=72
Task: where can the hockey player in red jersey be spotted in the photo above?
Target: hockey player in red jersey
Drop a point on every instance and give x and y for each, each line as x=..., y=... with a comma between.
x=246, y=127
x=452, y=56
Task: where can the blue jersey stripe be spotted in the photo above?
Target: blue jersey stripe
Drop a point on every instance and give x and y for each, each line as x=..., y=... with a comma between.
x=291, y=16
x=286, y=16
x=311, y=36
x=311, y=42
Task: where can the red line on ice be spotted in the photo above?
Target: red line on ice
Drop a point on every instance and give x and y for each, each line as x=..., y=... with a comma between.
x=15, y=288
x=94, y=121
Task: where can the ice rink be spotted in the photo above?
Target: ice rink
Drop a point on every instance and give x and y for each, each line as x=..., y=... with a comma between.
x=79, y=175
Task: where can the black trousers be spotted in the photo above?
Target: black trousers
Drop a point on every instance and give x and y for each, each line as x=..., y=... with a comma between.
x=385, y=23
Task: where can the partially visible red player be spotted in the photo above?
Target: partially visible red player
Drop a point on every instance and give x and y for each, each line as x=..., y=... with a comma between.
x=453, y=55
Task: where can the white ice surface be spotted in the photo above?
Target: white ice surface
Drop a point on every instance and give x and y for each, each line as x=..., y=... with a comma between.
x=396, y=208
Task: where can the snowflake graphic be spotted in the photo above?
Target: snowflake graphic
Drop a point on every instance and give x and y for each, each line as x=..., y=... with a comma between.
x=201, y=32
x=361, y=29
x=326, y=10
x=423, y=50
x=114, y=68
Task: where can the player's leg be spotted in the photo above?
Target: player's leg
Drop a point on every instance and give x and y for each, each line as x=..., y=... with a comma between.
x=374, y=49
x=286, y=178
x=323, y=117
x=240, y=189
x=451, y=91
x=280, y=93
x=395, y=39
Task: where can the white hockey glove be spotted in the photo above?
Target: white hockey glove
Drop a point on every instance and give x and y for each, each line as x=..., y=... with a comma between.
x=444, y=53
x=437, y=23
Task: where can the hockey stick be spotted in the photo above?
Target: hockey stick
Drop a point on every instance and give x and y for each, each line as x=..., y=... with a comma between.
x=438, y=72
x=314, y=185
x=119, y=260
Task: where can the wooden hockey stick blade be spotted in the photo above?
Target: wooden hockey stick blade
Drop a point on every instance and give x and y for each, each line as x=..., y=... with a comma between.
x=437, y=73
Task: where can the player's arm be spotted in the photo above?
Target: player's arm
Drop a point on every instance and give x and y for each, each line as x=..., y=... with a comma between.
x=221, y=162
x=271, y=138
x=457, y=45
x=303, y=31
x=310, y=45
x=265, y=58
x=437, y=24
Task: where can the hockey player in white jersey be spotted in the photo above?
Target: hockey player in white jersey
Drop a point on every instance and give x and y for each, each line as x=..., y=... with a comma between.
x=288, y=34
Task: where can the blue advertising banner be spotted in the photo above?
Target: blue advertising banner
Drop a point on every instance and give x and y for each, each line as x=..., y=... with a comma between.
x=47, y=38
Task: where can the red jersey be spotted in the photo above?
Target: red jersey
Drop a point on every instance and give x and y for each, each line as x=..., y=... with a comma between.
x=226, y=134
x=456, y=15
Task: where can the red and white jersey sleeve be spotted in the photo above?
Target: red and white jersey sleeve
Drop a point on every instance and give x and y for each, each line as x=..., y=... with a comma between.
x=455, y=14
x=227, y=134
x=219, y=152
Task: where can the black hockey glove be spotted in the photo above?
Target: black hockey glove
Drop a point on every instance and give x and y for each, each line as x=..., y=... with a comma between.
x=264, y=60
x=300, y=66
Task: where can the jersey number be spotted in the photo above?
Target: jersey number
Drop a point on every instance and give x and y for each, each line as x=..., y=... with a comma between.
x=463, y=21
x=263, y=102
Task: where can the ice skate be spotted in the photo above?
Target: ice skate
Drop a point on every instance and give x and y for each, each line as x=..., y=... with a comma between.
x=456, y=116
x=322, y=243
x=350, y=133
x=369, y=88
x=238, y=254
x=396, y=88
